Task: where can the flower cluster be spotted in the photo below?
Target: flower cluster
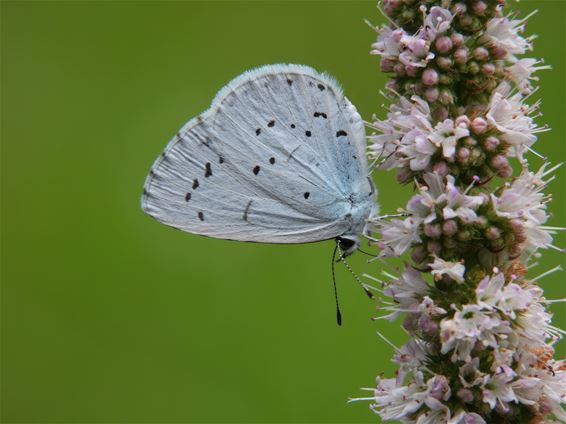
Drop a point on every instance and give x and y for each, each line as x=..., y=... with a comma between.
x=487, y=360
x=481, y=339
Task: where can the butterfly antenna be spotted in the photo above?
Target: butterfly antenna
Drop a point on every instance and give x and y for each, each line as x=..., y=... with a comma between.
x=338, y=314
x=349, y=268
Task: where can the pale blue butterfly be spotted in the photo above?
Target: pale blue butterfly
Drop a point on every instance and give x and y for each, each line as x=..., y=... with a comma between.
x=280, y=157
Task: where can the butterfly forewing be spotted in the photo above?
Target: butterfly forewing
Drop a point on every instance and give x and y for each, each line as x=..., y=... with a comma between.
x=277, y=158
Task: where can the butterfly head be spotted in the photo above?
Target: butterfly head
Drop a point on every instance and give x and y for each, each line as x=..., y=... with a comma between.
x=348, y=244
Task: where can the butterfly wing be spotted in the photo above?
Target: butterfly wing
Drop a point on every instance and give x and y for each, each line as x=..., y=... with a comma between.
x=278, y=158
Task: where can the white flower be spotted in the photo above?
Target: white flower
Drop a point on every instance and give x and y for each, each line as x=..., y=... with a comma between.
x=504, y=33
x=497, y=390
x=388, y=42
x=409, y=289
x=446, y=134
x=467, y=418
x=524, y=202
x=512, y=118
x=407, y=121
x=398, y=235
x=395, y=401
x=417, y=149
x=437, y=22
x=468, y=326
x=454, y=270
x=521, y=73
x=488, y=291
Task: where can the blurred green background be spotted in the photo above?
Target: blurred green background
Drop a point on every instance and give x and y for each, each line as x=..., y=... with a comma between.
x=108, y=316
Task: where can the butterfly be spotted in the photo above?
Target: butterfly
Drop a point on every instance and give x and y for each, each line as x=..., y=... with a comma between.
x=279, y=157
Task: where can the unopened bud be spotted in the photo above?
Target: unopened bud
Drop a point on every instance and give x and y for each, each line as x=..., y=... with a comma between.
x=399, y=69
x=446, y=97
x=431, y=94
x=433, y=230
x=488, y=69
x=386, y=65
x=450, y=227
x=404, y=175
x=463, y=235
x=499, y=162
x=457, y=39
x=473, y=67
x=493, y=233
x=466, y=395
x=505, y=172
x=443, y=44
x=518, y=229
x=461, y=56
x=434, y=247
x=463, y=154
x=491, y=143
x=444, y=63
x=430, y=77
x=479, y=8
x=419, y=254
x=441, y=168
x=479, y=125
x=481, y=54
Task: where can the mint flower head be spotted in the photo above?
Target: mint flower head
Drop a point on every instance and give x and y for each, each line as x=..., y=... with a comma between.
x=460, y=128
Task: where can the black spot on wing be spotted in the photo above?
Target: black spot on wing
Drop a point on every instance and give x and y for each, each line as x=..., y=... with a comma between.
x=256, y=169
x=272, y=160
x=201, y=216
x=290, y=82
x=320, y=115
x=341, y=133
x=321, y=87
x=208, y=170
x=258, y=131
x=308, y=133
x=270, y=124
x=195, y=184
x=306, y=195
x=220, y=159
x=187, y=197
x=293, y=126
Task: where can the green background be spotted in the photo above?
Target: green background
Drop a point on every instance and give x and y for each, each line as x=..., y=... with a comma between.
x=108, y=316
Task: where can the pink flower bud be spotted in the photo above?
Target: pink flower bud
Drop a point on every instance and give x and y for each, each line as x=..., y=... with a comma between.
x=461, y=56
x=430, y=77
x=498, y=52
x=441, y=168
x=419, y=254
x=444, y=63
x=479, y=125
x=463, y=154
x=412, y=70
x=399, y=69
x=443, y=44
x=404, y=175
x=441, y=113
x=427, y=325
x=473, y=67
x=457, y=39
x=515, y=251
x=499, y=162
x=410, y=323
x=470, y=141
x=488, y=69
x=431, y=94
x=493, y=233
x=449, y=228
x=433, y=230
x=387, y=65
x=466, y=395
x=434, y=247
x=481, y=53
x=449, y=243
x=518, y=229
x=491, y=143
x=479, y=8
x=505, y=172
x=459, y=9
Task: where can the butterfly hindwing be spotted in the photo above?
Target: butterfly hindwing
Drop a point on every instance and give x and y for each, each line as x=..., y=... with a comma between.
x=277, y=158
